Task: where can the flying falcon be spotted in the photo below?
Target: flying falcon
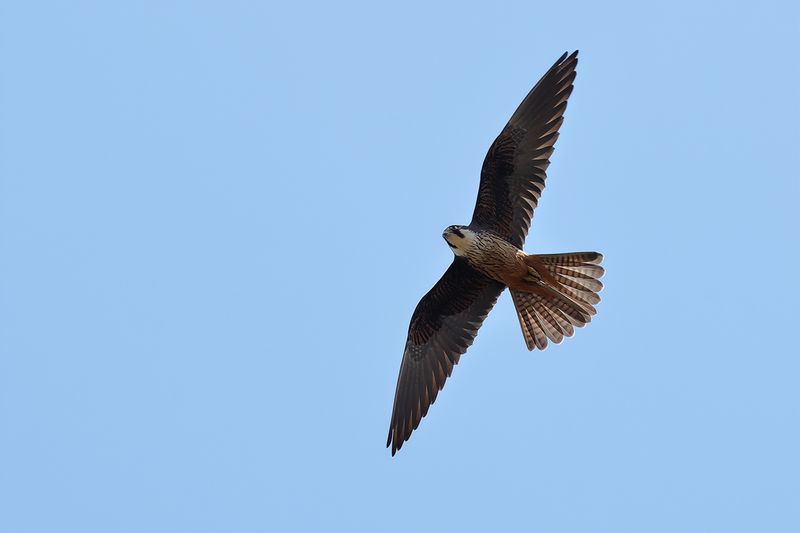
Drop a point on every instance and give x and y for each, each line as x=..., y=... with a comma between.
x=552, y=293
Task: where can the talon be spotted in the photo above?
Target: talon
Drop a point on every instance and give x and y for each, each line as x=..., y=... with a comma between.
x=533, y=273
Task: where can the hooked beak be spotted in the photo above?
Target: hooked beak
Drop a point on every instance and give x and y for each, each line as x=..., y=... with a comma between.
x=445, y=235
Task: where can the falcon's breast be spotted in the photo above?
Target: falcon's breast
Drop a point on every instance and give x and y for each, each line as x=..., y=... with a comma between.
x=494, y=257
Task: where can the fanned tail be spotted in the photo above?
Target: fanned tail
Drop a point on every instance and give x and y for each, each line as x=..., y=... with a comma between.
x=561, y=295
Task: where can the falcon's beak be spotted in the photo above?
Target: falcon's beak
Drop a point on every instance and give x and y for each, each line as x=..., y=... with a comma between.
x=447, y=234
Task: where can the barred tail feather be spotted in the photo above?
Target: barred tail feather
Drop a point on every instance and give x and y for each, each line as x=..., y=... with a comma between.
x=563, y=297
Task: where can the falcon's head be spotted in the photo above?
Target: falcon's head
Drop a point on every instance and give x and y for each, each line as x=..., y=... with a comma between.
x=458, y=238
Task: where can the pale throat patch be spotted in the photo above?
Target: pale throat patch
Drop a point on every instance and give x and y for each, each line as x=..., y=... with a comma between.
x=461, y=244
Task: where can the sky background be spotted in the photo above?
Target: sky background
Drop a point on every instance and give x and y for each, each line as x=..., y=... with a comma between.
x=217, y=218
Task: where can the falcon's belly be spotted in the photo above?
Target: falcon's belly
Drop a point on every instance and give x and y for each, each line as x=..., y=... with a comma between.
x=496, y=258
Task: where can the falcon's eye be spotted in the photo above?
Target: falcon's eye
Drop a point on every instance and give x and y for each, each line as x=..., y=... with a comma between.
x=458, y=232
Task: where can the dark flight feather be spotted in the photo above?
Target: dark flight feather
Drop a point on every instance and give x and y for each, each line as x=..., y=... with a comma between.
x=443, y=326
x=514, y=170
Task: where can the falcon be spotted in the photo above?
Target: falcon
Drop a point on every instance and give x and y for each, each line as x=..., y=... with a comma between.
x=552, y=293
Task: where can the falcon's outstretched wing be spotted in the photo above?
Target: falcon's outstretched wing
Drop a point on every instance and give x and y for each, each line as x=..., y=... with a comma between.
x=513, y=173
x=443, y=326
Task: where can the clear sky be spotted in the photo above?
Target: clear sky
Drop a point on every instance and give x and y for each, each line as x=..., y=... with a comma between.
x=217, y=218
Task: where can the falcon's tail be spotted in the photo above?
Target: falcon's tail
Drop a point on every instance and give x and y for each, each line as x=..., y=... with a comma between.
x=561, y=294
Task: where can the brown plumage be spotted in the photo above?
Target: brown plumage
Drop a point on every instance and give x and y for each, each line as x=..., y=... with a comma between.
x=563, y=293
x=552, y=293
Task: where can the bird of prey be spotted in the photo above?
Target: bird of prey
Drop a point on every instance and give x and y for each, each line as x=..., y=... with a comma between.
x=552, y=293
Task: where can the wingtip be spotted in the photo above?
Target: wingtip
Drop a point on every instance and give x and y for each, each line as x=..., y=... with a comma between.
x=392, y=443
x=395, y=447
x=567, y=55
x=567, y=58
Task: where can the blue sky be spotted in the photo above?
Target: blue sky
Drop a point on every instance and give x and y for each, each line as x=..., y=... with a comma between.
x=217, y=218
